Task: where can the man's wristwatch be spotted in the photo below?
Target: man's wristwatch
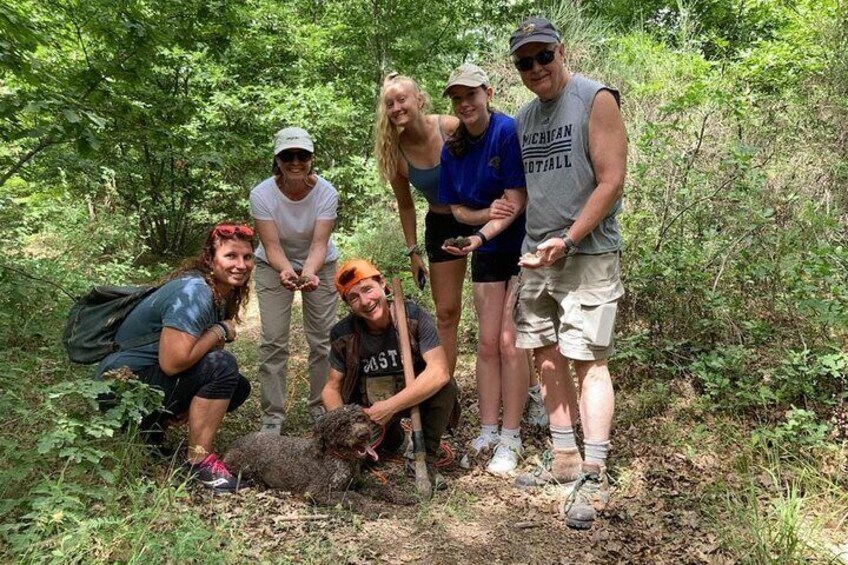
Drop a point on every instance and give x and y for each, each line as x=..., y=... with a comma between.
x=570, y=246
x=413, y=249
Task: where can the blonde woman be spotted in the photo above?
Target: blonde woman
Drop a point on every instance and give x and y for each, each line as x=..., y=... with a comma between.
x=408, y=144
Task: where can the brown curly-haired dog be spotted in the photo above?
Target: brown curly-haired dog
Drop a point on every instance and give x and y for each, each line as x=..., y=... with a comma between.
x=326, y=468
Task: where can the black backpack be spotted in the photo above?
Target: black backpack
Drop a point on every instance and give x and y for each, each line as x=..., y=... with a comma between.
x=94, y=319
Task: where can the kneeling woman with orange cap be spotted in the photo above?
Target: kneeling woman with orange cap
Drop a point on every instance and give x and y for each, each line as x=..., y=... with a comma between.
x=366, y=366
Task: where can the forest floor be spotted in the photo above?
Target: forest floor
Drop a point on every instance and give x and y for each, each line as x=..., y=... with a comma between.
x=672, y=502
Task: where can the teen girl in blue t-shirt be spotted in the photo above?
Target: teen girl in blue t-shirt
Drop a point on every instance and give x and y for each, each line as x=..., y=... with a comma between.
x=482, y=178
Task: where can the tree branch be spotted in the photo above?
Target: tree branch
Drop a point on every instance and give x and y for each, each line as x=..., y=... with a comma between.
x=43, y=144
x=39, y=279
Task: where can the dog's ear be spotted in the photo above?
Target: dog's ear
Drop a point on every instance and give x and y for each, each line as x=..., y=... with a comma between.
x=326, y=425
x=320, y=430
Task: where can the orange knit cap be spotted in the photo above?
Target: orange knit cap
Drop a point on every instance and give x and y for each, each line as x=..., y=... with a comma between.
x=353, y=271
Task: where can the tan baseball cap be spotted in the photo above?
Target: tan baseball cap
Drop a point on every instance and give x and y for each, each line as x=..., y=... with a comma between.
x=467, y=74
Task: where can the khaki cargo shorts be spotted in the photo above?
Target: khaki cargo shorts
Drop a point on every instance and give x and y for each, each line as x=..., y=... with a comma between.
x=571, y=303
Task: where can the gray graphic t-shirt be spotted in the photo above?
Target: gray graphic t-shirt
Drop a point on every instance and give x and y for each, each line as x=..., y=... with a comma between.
x=554, y=138
x=379, y=354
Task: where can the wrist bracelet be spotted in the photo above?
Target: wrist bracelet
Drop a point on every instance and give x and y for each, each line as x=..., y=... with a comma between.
x=483, y=238
x=226, y=330
x=413, y=249
x=219, y=331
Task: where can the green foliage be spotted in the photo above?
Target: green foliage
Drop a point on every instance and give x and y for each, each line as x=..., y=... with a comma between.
x=780, y=508
x=76, y=462
x=731, y=252
x=734, y=378
x=130, y=127
x=127, y=526
x=180, y=100
x=771, y=532
x=812, y=379
x=801, y=430
x=357, y=207
x=76, y=432
x=375, y=236
x=727, y=380
x=76, y=442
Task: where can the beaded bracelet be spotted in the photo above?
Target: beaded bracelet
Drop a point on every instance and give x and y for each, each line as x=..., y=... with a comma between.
x=226, y=330
x=219, y=331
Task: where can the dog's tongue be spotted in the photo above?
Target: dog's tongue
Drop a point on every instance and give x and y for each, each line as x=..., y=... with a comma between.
x=369, y=451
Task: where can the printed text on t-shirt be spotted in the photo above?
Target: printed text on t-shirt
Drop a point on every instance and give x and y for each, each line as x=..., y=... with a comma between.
x=384, y=362
x=544, y=151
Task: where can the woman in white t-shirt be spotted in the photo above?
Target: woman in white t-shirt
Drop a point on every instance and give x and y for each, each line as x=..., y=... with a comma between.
x=295, y=211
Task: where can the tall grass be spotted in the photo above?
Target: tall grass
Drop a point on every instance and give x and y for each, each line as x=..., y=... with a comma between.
x=782, y=513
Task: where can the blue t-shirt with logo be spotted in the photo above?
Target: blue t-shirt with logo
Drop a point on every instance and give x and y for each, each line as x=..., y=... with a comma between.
x=478, y=178
x=185, y=304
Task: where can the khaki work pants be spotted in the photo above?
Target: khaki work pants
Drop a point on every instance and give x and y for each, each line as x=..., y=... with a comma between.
x=319, y=316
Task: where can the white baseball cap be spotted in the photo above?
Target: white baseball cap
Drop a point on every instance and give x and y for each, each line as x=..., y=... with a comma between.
x=293, y=138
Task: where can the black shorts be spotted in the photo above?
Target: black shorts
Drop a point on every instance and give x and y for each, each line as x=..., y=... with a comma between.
x=494, y=267
x=438, y=228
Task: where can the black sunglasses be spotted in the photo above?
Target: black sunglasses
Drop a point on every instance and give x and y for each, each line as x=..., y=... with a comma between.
x=347, y=276
x=301, y=155
x=524, y=64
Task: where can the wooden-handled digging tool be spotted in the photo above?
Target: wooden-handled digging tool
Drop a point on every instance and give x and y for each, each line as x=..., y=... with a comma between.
x=422, y=479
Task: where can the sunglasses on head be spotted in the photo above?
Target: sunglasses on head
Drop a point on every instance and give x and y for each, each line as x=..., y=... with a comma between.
x=230, y=230
x=545, y=57
x=301, y=155
x=347, y=276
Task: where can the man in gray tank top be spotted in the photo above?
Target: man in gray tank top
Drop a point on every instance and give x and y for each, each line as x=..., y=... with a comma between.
x=574, y=149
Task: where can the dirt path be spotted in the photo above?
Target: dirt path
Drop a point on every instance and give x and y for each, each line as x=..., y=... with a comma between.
x=653, y=517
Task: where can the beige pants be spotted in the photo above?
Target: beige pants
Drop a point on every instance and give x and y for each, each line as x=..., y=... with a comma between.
x=319, y=315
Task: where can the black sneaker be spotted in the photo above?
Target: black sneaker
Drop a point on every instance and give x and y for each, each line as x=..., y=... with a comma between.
x=152, y=428
x=214, y=475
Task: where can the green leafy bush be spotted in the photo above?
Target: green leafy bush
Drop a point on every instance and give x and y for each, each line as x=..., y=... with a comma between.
x=801, y=430
x=77, y=461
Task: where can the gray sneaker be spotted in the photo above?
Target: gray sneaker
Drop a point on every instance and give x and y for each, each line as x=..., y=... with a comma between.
x=589, y=497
